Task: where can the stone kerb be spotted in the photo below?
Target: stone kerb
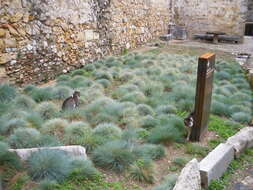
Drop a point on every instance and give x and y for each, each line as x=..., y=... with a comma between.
x=241, y=141
x=216, y=163
x=189, y=178
x=72, y=150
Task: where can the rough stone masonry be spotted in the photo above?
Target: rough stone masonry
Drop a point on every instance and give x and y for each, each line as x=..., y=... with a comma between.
x=40, y=39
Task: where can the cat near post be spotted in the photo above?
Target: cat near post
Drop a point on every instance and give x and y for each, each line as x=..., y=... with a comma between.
x=189, y=122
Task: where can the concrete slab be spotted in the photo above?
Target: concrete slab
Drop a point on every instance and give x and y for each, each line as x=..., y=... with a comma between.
x=216, y=163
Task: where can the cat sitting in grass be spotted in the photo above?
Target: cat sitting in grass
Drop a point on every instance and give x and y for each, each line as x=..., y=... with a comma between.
x=189, y=122
x=71, y=102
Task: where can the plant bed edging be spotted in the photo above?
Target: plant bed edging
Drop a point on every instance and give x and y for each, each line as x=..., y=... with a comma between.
x=72, y=150
x=241, y=140
x=189, y=178
x=233, y=147
x=216, y=163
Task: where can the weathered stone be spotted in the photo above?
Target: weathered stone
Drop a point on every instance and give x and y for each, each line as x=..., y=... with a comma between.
x=13, y=31
x=82, y=31
x=189, y=178
x=64, y=26
x=72, y=150
x=248, y=181
x=2, y=46
x=6, y=57
x=224, y=16
x=10, y=42
x=242, y=140
x=26, y=17
x=22, y=31
x=89, y=35
x=80, y=37
x=16, y=17
x=2, y=32
x=215, y=163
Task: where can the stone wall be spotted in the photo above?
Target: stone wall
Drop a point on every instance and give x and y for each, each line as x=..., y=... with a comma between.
x=139, y=23
x=250, y=11
x=211, y=15
x=40, y=39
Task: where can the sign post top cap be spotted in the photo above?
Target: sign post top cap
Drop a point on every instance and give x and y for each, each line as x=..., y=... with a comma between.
x=207, y=56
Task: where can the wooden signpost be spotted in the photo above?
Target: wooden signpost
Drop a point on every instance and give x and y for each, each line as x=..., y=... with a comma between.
x=203, y=96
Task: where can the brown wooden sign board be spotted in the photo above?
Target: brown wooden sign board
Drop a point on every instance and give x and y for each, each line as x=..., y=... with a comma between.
x=203, y=96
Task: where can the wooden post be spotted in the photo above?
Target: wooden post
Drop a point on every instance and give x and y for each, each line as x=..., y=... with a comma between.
x=203, y=96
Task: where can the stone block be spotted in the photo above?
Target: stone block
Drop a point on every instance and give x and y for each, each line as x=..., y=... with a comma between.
x=80, y=37
x=89, y=35
x=6, y=57
x=10, y=43
x=72, y=150
x=216, y=163
x=189, y=178
x=2, y=32
x=242, y=140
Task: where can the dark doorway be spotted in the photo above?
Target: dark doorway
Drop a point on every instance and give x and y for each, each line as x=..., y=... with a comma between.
x=249, y=29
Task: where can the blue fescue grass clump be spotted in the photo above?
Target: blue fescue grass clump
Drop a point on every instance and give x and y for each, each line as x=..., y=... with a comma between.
x=89, y=67
x=181, y=161
x=73, y=115
x=149, y=122
x=242, y=117
x=31, y=138
x=104, y=82
x=24, y=102
x=78, y=72
x=8, y=158
x=136, y=97
x=151, y=151
x=103, y=75
x=145, y=110
x=108, y=131
x=76, y=133
x=79, y=81
x=83, y=168
x=34, y=120
x=55, y=127
x=166, y=109
x=42, y=94
x=222, y=75
x=62, y=78
x=152, y=89
x=24, y=138
x=219, y=108
x=168, y=183
x=170, y=129
x=62, y=92
x=47, y=110
x=114, y=155
x=49, y=164
x=7, y=93
x=104, y=110
x=123, y=89
x=28, y=88
x=7, y=127
x=142, y=170
x=239, y=108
